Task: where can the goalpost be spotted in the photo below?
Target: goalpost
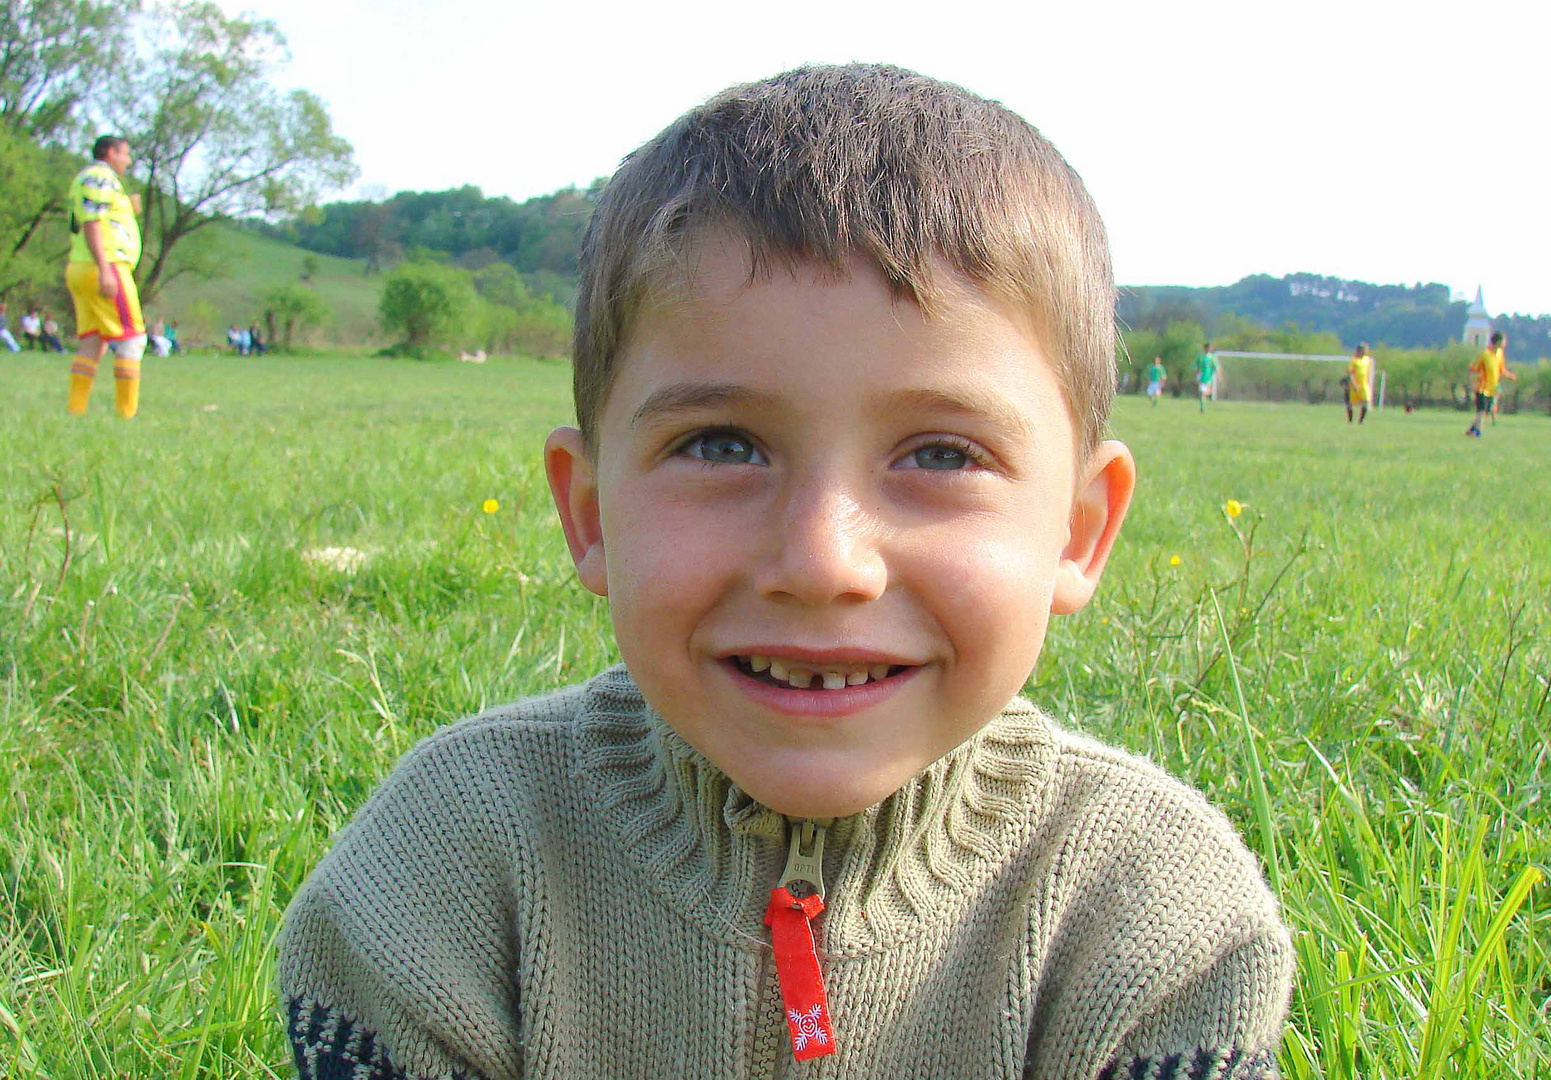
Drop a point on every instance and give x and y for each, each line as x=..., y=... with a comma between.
x=1226, y=354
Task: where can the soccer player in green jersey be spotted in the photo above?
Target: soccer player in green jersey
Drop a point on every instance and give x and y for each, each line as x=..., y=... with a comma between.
x=1206, y=374
x=1156, y=377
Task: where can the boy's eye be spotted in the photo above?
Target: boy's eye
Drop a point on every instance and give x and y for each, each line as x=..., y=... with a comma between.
x=724, y=448
x=940, y=456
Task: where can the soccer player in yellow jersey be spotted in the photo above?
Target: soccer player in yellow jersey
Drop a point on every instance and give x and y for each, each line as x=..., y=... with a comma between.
x=1359, y=385
x=1488, y=368
x=104, y=248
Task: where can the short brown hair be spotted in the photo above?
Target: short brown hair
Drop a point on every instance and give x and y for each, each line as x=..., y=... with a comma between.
x=820, y=163
x=105, y=143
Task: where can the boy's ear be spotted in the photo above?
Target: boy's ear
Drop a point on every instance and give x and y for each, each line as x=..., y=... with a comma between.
x=573, y=482
x=1103, y=495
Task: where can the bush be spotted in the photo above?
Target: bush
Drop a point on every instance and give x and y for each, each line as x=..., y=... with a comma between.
x=296, y=307
x=428, y=304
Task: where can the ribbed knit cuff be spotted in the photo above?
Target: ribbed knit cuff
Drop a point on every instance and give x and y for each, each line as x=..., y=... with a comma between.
x=327, y=1046
x=1201, y=1065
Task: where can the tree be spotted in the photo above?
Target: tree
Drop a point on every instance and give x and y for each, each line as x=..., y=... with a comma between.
x=53, y=55
x=295, y=307
x=216, y=140
x=30, y=189
x=425, y=302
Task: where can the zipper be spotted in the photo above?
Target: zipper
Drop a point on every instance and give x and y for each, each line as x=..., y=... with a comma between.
x=790, y=918
x=805, y=854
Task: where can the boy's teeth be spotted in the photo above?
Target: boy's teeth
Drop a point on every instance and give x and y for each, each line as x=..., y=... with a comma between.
x=836, y=678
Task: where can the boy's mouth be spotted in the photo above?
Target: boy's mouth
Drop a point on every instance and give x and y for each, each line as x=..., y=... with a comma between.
x=785, y=673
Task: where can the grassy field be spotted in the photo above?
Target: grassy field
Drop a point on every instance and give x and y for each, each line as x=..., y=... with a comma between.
x=221, y=624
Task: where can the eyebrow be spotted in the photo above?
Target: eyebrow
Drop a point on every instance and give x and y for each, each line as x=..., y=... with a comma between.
x=683, y=397
x=961, y=401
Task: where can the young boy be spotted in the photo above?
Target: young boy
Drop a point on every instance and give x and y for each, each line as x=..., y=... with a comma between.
x=843, y=356
x=1489, y=368
x=1156, y=377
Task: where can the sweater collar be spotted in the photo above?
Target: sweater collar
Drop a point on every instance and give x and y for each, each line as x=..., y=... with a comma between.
x=709, y=850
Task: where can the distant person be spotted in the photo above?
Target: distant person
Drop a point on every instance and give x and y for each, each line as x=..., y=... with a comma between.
x=104, y=249
x=1206, y=375
x=1489, y=368
x=245, y=342
x=172, y=337
x=50, y=336
x=32, y=328
x=1359, y=385
x=6, y=337
x=1156, y=378
x=158, y=337
x=234, y=338
x=255, y=340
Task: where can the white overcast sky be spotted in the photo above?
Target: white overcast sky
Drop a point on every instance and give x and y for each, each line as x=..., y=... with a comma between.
x=1219, y=139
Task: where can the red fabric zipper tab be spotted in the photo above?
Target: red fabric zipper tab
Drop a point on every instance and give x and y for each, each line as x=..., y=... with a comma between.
x=797, y=969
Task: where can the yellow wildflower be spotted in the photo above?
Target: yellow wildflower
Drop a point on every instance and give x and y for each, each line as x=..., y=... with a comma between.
x=490, y=506
x=1174, y=560
x=1233, y=508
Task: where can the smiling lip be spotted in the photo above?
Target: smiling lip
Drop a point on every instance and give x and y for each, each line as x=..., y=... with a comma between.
x=820, y=703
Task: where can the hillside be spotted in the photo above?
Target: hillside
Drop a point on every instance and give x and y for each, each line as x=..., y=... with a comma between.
x=252, y=265
x=1401, y=316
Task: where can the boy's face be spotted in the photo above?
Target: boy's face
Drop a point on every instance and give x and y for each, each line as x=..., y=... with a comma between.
x=801, y=473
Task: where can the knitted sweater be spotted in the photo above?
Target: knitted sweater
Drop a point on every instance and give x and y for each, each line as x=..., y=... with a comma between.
x=565, y=888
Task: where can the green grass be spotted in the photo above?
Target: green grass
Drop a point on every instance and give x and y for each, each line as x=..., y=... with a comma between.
x=1356, y=669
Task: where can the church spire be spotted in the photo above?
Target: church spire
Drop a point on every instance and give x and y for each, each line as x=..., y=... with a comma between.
x=1478, y=323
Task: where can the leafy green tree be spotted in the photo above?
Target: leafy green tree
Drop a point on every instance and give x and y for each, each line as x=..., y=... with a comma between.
x=296, y=307
x=215, y=138
x=1179, y=345
x=31, y=189
x=425, y=302
x=54, y=54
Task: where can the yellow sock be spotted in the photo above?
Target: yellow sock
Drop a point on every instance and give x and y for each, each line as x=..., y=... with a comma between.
x=126, y=381
x=82, y=371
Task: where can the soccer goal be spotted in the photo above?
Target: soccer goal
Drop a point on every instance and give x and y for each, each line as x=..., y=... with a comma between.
x=1226, y=354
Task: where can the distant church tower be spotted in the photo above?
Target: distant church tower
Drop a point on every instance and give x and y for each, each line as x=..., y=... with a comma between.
x=1478, y=324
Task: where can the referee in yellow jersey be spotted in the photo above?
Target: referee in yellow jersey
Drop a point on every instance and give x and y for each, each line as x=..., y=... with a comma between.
x=104, y=249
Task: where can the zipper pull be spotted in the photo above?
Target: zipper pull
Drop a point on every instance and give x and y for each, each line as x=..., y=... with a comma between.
x=791, y=933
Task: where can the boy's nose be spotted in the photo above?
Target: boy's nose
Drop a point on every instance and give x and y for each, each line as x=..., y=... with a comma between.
x=823, y=545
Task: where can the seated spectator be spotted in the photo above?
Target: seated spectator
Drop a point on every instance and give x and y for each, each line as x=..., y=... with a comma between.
x=50, y=335
x=32, y=328
x=172, y=336
x=156, y=333
x=6, y=337
x=258, y=342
